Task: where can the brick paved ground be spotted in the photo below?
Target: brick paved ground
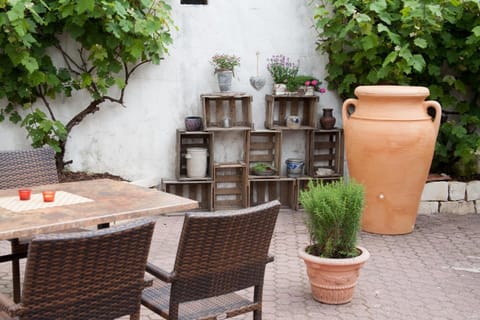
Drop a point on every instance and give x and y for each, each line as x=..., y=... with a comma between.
x=432, y=273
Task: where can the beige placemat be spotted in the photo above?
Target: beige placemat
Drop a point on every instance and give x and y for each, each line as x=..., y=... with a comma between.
x=62, y=198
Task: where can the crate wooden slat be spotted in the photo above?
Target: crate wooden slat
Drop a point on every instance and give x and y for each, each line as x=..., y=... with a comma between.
x=236, y=106
x=230, y=186
x=193, y=139
x=265, y=146
x=326, y=151
x=201, y=191
x=264, y=190
x=279, y=107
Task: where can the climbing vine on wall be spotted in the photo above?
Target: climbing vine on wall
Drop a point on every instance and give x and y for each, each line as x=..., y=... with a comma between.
x=98, y=45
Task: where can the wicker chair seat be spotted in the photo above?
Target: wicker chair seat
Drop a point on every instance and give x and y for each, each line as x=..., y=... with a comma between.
x=157, y=298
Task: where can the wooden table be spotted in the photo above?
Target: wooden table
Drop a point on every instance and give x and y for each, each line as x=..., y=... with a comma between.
x=104, y=202
x=112, y=201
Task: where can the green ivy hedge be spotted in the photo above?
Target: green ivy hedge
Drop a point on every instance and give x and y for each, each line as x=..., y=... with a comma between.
x=432, y=43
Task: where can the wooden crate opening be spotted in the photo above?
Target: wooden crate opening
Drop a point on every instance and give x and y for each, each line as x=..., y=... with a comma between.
x=227, y=111
x=264, y=190
x=230, y=186
x=265, y=147
x=200, y=191
x=192, y=139
x=280, y=107
x=326, y=154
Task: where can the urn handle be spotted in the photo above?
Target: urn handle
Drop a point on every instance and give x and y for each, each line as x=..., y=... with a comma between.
x=348, y=108
x=434, y=110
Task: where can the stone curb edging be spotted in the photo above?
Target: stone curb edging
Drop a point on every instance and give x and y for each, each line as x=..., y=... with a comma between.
x=452, y=197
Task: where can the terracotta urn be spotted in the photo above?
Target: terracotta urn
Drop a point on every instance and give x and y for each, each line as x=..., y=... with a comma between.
x=333, y=281
x=390, y=134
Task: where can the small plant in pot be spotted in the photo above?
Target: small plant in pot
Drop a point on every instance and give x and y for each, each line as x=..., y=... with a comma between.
x=224, y=65
x=333, y=259
x=263, y=169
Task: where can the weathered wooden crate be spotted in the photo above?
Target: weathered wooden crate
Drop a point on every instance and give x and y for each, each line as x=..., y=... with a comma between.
x=230, y=186
x=264, y=190
x=193, y=139
x=201, y=191
x=302, y=184
x=265, y=146
x=326, y=153
x=278, y=108
x=236, y=107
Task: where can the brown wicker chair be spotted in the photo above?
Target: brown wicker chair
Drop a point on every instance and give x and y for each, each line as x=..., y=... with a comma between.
x=18, y=169
x=86, y=275
x=219, y=253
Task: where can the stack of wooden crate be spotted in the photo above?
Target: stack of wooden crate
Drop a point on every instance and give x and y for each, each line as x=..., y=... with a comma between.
x=231, y=184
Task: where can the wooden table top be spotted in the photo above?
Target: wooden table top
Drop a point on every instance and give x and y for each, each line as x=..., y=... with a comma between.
x=112, y=201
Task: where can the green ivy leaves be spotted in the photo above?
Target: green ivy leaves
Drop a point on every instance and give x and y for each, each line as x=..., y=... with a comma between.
x=97, y=45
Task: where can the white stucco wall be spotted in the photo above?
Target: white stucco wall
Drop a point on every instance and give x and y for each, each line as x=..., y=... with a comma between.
x=138, y=142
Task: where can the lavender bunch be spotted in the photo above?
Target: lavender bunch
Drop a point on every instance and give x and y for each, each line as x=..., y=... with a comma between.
x=281, y=68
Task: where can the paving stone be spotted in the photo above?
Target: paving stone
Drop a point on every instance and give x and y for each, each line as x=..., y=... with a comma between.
x=427, y=274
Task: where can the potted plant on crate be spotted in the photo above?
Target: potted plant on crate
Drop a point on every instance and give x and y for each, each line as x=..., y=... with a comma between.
x=224, y=65
x=263, y=169
x=333, y=259
x=282, y=70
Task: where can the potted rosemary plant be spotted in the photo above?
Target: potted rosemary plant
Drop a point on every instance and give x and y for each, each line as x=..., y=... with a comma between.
x=333, y=258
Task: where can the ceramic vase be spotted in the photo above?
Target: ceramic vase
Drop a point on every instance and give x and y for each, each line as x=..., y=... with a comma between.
x=294, y=167
x=327, y=120
x=390, y=134
x=224, y=78
x=196, y=162
x=193, y=123
x=279, y=89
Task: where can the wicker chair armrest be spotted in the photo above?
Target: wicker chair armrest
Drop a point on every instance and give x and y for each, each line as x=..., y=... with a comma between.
x=160, y=273
x=8, y=305
x=270, y=258
x=147, y=282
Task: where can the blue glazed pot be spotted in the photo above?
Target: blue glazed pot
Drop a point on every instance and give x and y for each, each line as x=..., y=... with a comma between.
x=294, y=167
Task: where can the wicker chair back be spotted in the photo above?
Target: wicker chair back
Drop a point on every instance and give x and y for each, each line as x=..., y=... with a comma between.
x=87, y=275
x=219, y=253
x=27, y=168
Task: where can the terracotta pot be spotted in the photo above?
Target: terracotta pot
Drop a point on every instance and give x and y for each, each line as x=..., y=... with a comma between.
x=390, y=134
x=333, y=281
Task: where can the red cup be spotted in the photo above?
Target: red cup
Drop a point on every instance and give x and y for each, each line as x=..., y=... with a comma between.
x=24, y=194
x=48, y=196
